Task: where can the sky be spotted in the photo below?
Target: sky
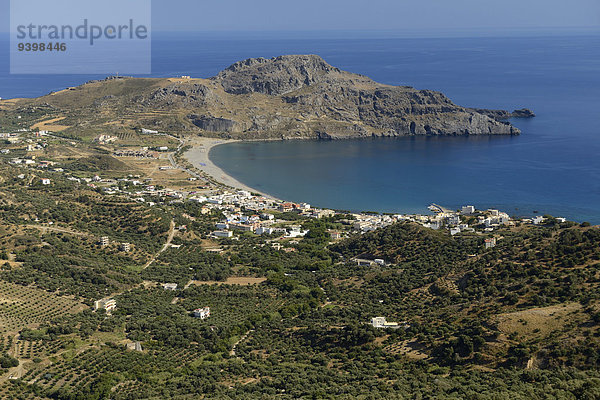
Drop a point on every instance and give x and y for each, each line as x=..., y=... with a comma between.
x=402, y=16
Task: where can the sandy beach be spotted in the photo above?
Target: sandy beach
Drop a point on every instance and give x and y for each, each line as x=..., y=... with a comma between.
x=198, y=156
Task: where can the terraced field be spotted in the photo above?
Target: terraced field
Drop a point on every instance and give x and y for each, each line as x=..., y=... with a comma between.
x=81, y=371
x=22, y=307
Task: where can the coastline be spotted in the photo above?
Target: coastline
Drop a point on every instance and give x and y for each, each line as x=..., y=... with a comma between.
x=198, y=156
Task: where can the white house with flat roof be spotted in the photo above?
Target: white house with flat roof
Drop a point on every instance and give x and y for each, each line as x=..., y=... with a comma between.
x=490, y=243
x=105, y=304
x=466, y=210
x=538, y=219
x=222, y=234
x=264, y=230
x=202, y=313
x=381, y=322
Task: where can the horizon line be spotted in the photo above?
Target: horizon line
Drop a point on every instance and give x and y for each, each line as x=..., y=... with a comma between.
x=479, y=31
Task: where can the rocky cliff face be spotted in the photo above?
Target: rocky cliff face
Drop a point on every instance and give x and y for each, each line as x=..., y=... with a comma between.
x=309, y=85
x=294, y=96
x=212, y=124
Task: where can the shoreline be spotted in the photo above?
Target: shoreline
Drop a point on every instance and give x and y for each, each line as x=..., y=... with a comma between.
x=198, y=156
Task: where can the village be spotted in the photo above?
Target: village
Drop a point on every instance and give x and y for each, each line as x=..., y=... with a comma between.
x=244, y=212
x=250, y=212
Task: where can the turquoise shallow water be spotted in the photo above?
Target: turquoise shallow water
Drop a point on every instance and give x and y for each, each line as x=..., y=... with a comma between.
x=552, y=167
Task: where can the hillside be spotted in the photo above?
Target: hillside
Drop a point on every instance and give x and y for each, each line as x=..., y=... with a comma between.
x=295, y=96
x=520, y=320
x=531, y=302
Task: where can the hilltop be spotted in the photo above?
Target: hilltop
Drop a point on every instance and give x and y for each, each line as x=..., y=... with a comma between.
x=293, y=96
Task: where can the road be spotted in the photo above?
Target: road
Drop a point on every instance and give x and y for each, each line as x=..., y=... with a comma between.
x=165, y=246
x=18, y=371
x=45, y=229
x=232, y=352
x=172, y=159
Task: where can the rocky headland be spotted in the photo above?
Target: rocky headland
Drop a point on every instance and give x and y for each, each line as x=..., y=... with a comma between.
x=287, y=97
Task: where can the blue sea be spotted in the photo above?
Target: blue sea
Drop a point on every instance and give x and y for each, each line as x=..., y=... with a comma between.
x=553, y=167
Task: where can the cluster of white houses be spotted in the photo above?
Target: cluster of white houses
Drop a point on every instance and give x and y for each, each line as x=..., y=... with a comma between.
x=230, y=203
x=246, y=212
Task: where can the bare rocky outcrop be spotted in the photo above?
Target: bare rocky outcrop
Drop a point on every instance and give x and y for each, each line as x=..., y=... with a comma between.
x=308, y=84
x=183, y=94
x=276, y=76
x=502, y=115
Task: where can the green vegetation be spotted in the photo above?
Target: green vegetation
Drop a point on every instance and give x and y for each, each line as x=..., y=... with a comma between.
x=518, y=321
x=99, y=163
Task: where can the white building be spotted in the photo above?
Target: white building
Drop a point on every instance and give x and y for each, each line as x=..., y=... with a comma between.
x=105, y=304
x=296, y=232
x=135, y=346
x=148, y=131
x=335, y=235
x=363, y=262
x=223, y=234
x=503, y=218
x=538, y=219
x=264, y=230
x=433, y=225
x=380, y=322
x=169, y=286
x=453, y=220
x=467, y=210
x=45, y=181
x=202, y=313
x=322, y=213
x=490, y=243
x=268, y=217
x=198, y=199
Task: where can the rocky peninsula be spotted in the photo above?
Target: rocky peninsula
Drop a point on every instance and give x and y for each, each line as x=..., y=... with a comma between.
x=286, y=97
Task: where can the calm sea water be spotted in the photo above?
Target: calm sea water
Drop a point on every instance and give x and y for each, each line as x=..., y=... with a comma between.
x=553, y=167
